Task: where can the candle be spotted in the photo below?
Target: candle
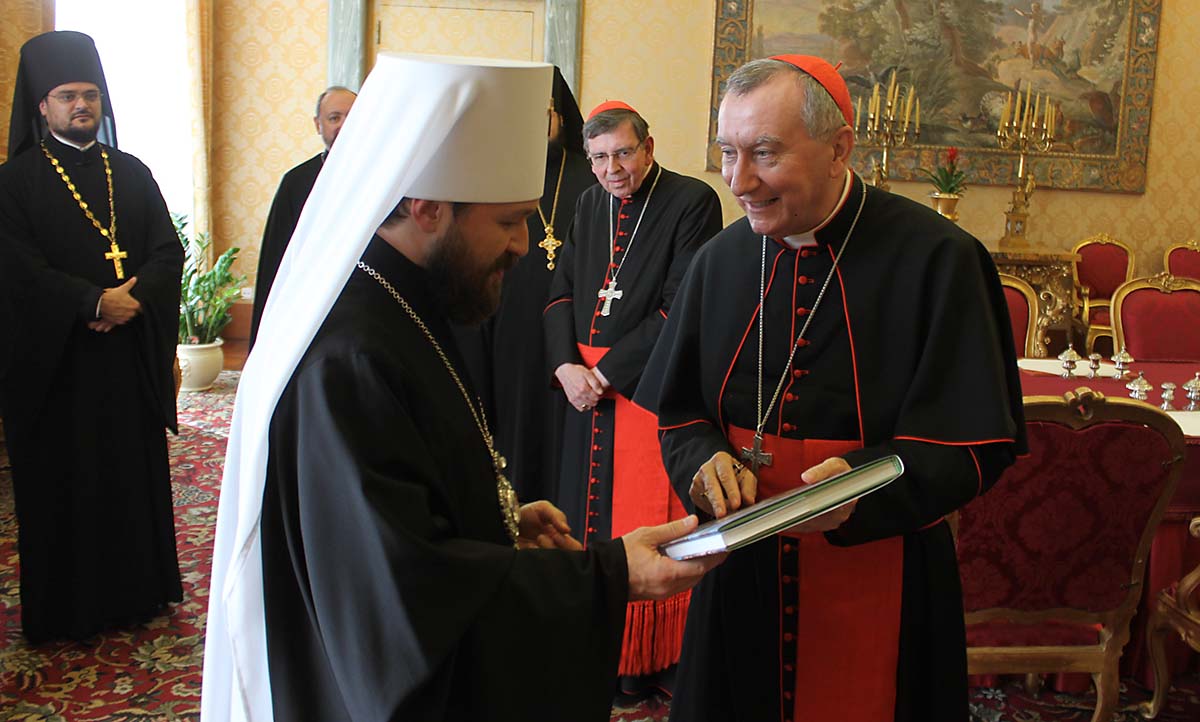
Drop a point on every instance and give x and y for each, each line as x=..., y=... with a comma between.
x=874, y=109
x=1025, y=113
x=918, y=118
x=908, y=106
x=858, y=114
x=891, y=96
x=1005, y=113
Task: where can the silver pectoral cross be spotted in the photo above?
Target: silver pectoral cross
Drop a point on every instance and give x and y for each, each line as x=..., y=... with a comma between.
x=609, y=295
x=756, y=456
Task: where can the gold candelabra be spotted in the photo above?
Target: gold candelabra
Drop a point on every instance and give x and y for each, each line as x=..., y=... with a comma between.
x=888, y=123
x=1027, y=127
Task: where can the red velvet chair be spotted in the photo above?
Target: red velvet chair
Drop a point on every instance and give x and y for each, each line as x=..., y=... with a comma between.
x=1104, y=263
x=1158, y=318
x=1178, y=611
x=1183, y=259
x=1052, y=558
x=1022, y=312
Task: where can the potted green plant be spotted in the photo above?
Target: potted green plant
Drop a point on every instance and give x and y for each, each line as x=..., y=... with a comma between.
x=207, y=291
x=949, y=183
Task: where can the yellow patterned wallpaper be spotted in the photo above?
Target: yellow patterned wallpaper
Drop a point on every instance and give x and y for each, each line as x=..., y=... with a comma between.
x=22, y=20
x=658, y=57
x=269, y=59
x=502, y=29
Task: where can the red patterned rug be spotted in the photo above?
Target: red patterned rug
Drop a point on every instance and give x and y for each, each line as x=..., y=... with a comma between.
x=152, y=673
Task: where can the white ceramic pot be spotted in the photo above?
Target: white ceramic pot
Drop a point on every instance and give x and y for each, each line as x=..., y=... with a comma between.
x=200, y=364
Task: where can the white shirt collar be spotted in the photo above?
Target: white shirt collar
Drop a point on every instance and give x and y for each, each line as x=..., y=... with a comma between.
x=73, y=144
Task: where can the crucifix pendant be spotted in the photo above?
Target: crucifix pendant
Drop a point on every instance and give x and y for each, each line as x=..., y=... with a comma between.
x=550, y=244
x=115, y=254
x=756, y=456
x=609, y=295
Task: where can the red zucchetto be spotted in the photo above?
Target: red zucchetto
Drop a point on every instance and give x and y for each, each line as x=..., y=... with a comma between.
x=610, y=105
x=827, y=75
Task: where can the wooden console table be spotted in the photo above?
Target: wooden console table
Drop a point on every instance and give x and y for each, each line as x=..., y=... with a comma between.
x=1049, y=272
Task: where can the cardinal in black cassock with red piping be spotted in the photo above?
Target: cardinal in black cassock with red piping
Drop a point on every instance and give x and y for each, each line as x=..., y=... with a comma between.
x=835, y=324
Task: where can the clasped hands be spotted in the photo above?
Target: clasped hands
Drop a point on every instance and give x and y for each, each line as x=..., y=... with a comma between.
x=117, y=307
x=723, y=484
x=583, y=386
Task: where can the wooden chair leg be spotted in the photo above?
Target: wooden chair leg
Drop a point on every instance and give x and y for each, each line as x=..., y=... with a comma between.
x=1157, y=630
x=1108, y=691
x=1033, y=683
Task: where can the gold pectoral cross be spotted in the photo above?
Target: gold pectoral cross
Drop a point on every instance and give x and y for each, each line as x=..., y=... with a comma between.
x=609, y=295
x=550, y=244
x=756, y=456
x=115, y=254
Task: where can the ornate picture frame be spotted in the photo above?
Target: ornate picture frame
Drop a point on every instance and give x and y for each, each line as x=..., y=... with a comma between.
x=1094, y=59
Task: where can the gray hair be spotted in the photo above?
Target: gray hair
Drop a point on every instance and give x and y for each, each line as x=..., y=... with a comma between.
x=818, y=112
x=327, y=91
x=610, y=120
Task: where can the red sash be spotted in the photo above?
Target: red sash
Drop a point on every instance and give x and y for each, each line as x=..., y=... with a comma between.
x=641, y=496
x=847, y=603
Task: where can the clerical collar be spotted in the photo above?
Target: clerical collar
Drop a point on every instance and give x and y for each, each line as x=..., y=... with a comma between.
x=76, y=146
x=644, y=188
x=809, y=238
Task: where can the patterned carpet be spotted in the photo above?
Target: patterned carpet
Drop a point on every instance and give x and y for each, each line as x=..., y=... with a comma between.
x=152, y=673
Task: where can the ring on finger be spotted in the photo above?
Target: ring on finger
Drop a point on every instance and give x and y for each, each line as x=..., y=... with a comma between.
x=738, y=467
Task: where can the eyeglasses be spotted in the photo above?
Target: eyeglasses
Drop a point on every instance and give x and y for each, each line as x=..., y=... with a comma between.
x=70, y=96
x=622, y=155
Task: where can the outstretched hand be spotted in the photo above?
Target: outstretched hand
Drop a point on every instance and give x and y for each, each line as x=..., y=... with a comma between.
x=544, y=526
x=653, y=575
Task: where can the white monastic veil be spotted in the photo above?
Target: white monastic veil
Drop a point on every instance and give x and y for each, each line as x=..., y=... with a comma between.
x=453, y=129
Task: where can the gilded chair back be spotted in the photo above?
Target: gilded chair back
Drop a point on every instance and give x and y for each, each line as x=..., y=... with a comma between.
x=1022, y=312
x=1052, y=557
x=1103, y=264
x=1183, y=259
x=1158, y=318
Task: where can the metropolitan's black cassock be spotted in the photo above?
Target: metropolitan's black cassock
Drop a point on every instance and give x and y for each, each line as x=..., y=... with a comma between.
x=392, y=590
x=506, y=354
x=85, y=413
x=289, y=200
x=909, y=353
x=683, y=213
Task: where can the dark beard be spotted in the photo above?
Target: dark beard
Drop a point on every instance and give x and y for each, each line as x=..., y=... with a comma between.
x=79, y=136
x=460, y=289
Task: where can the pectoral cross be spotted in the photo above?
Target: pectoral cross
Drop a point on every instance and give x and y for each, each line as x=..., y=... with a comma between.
x=115, y=255
x=609, y=295
x=756, y=456
x=550, y=244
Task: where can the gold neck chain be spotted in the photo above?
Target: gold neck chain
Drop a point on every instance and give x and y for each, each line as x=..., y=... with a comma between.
x=551, y=244
x=115, y=254
x=510, y=507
